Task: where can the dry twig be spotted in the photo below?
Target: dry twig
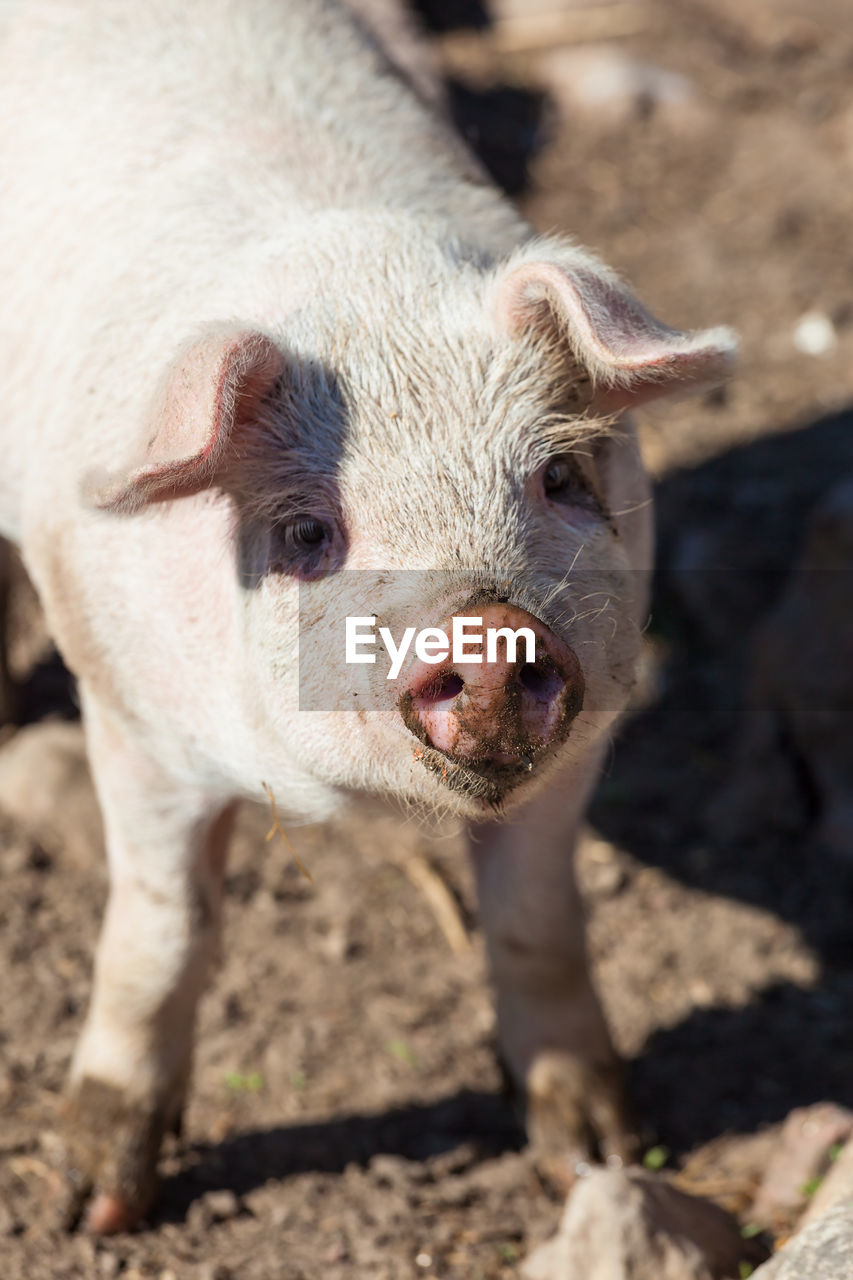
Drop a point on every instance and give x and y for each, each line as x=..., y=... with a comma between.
x=278, y=829
x=440, y=899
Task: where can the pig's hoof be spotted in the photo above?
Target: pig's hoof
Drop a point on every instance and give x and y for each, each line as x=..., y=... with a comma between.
x=110, y=1158
x=576, y=1116
x=108, y=1214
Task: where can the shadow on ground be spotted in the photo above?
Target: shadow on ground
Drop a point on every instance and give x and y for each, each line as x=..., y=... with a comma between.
x=413, y=1133
x=729, y=532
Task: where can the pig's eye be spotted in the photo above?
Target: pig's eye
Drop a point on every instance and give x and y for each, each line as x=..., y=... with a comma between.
x=561, y=480
x=303, y=546
x=307, y=534
x=301, y=543
x=564, y=482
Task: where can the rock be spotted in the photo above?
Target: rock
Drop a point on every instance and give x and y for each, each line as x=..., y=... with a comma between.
x=814, y=334
x=634, y=1225
x=222, y=1205
x=213, y=1207
x=46, y=789
x=601, y=869
x=802, y=1155
x=730, y=1168
x=823, y=1251
x=836, y=1187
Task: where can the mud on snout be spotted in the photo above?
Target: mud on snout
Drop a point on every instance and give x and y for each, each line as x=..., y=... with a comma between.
x=485, y=729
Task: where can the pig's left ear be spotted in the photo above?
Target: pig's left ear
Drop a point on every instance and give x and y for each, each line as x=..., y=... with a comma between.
x=214, y=386
x=630, y=356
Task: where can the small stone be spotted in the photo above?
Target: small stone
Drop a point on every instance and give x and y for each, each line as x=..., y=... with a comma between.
x=620, y=1223
x=336, y=944
x=215, y=1206
x=222, y=1205
x=392, y=1171
x=801, y=1157
x=814, y=334
x=701, y=993
x=607, y=879
x=336, y=1252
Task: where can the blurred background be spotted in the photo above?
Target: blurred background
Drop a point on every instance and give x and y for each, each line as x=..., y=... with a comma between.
x=348, y=1118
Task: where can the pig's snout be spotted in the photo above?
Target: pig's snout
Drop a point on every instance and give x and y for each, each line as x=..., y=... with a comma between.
x=503, y=710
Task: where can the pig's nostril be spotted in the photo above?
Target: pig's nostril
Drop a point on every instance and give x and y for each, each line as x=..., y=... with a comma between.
x=541, y=681
x=444, y=689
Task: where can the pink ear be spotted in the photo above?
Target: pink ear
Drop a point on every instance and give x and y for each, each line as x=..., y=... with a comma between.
x=214, y=385
x=630, y=355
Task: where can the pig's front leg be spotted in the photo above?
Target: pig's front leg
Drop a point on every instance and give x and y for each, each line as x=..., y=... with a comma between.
x=166, y=845
x=553, y=1036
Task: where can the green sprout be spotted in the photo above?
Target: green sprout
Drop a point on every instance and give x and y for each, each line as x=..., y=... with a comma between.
x=244, y=1082
x=402, y=1052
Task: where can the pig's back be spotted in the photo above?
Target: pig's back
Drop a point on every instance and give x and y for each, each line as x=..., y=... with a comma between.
x=295, y=83
x=152, y=157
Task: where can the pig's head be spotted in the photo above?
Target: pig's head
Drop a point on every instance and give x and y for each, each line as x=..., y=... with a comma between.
x=445, y=440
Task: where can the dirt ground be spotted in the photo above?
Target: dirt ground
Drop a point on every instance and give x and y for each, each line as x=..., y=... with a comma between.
x=348, y=1119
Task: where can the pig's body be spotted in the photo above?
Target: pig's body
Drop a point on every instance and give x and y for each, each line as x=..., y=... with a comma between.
x=261, y=316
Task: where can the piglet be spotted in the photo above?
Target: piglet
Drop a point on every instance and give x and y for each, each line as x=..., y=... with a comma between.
x=268, y=334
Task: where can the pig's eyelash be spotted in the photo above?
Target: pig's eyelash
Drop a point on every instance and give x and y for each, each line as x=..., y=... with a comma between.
x=276, y=500
x=569, y=433
x=548, y=446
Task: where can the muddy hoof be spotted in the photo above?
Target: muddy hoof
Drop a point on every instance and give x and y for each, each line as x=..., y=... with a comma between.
x=576, y=1116
x=109, y=1214
x=109, y=1159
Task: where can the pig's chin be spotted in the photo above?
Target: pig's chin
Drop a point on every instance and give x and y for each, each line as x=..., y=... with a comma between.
x=472, y=788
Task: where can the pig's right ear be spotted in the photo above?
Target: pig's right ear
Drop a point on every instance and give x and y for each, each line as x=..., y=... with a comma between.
x=629, y=355
x=217, y=383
